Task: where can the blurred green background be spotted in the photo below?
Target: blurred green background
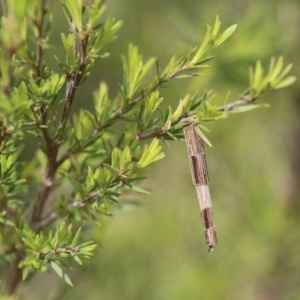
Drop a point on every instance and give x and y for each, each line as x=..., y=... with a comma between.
x=157, y=251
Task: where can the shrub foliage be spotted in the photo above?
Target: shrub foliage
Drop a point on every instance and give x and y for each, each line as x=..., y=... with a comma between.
x=86, y=160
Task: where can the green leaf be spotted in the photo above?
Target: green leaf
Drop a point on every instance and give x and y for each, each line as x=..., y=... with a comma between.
x=7, y=222
x=77, y=185
x=171, y=136
x=69, y=44
x=183, y=107
x=87, y=246
x=225, y=35
x=151, y=154
x=285, y=82
x=204, y=128
x=115, y=158
x=216, y=28
x=204, y=60
x=244, y=108
x=102, y=210
x=108, y=31
x=77, y=259
x=258, y=75
x=60, y=272
x=86, y=253
x=137, y=189
x=111, y=169
x=74, y=7
x=276, y=70
x=28, y=243
x=25, y=273
x=125, y=158
x=76, y=238
x=202, y=135
x=190, y=75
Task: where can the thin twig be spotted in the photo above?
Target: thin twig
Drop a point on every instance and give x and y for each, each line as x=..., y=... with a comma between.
x=161, y=81
x=52, y=145
x=15, y=277
x=240, y=102
x=155, y=134
x=74, y=79
x=54, y=215
x=39, y=51
x=44, y=222
x=16, y=272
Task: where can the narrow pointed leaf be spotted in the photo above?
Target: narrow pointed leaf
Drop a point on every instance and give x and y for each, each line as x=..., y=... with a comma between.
x=225, y=35
x=76, y=238
x=61, y=273
x=285, y=82
x=137, y=189
x=244, y=108
x=202, y=135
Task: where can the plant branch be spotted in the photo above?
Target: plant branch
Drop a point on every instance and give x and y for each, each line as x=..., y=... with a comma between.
x=240, y=102
x=40, y=40
x=226, y=108
x=52, y=145
x=54, y=215
x=8, y=87
x=161, y=81
x=157, y=134
x=73, y=79
x=44, y=222
x=16, y=273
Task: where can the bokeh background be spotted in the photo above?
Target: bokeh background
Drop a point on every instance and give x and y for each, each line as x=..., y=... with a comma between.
x=157, y=251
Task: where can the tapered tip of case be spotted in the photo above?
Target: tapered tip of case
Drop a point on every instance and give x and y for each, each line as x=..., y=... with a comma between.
x=210, y=248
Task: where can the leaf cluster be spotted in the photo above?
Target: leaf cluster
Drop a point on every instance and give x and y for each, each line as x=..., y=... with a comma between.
x=53, y=249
